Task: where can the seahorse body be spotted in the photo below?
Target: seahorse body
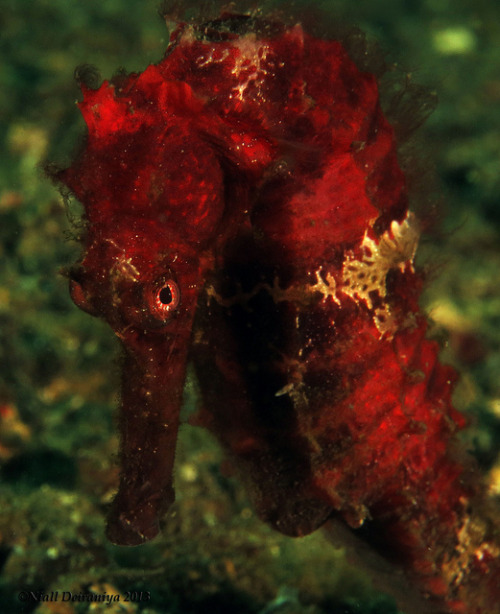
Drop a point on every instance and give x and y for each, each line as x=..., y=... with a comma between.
x=245, y=207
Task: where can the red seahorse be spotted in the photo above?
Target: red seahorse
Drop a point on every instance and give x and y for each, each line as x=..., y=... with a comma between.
x=245, y=209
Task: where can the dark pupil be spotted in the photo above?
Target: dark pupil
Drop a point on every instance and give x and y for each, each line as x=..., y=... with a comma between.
x=165, y=295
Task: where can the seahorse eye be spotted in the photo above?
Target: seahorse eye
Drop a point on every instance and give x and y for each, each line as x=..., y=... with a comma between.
x=166, y=299
x=77, y=292
x=165, y=295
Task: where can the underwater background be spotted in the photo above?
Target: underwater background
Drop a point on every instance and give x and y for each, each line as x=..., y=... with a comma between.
x=59, y=369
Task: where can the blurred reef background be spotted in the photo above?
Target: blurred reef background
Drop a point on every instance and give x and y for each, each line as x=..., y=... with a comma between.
x=59, y=369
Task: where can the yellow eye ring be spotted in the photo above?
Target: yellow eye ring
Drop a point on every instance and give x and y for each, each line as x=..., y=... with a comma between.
x=166, y=298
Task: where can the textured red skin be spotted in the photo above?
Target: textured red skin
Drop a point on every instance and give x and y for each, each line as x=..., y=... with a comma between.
x=251, y=169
